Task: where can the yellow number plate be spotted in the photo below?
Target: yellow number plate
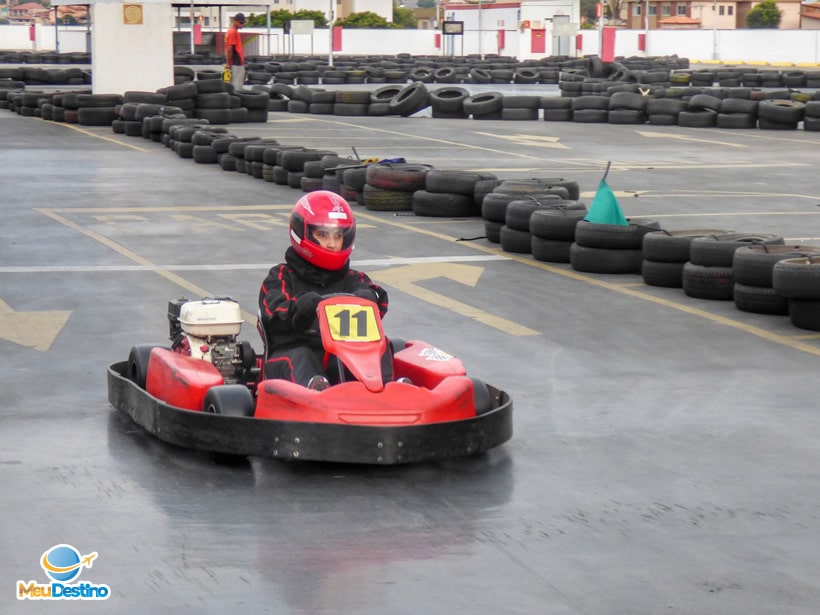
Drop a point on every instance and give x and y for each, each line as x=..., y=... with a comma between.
x=352, y=323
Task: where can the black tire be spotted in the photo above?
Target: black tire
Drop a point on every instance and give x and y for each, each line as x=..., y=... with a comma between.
x=781, y=111
x=590, y=116
x=410, y=100
x=605, y=260
x=666, y=275
x=697, y=119
x=397, y=176
x=204, y=154
x=736, y=121
x=754, y=265
x=805, y=314
x=443, y=204
x=556, y=222
x=233, y=400
x=484, y=103
x=481, y=397
x=614, y=236
x=493, y=231
x=381, y=199
x=519, y=114
x=719, y=250
x=703, y=282
x=138, y=363
x=448, y=99
x=515, y=241
x=673, y=246
x=759, y=300
x=550, y=250
x=457, y=182
x=797, y=278
x=355, y=178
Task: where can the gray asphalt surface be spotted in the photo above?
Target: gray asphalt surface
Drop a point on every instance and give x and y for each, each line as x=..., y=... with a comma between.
x=666, y=448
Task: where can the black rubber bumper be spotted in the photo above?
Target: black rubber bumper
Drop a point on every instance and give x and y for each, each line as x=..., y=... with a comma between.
x=293, y=440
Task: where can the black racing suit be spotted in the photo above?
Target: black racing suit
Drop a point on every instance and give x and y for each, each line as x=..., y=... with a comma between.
x=293, y=344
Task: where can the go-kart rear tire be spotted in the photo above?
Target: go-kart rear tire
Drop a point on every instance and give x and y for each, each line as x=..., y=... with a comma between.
x=138, y=363
x=229, y=400
x=482, y=398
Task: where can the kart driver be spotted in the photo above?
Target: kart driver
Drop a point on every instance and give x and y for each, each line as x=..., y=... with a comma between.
x=322, y=231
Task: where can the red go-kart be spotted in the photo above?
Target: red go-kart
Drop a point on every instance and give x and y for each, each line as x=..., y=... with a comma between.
x=206, y=392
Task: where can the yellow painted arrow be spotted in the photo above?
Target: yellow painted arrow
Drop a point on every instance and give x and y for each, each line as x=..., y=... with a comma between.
x=669, y=135
x=36, y=330
x=535, y=140
x=405, y=278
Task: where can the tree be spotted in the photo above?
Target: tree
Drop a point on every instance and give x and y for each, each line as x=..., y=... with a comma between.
x=280, y=17
x=365, y=19
x=589, y=10
x=764, y=15
x=404, y=18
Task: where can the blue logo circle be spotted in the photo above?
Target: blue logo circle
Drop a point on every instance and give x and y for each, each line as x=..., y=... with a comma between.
x=62, y=563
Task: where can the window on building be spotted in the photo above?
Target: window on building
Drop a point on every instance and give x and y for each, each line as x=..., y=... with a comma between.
x=682, y=9
x=636, y=9
x=731, y=10
x=666, y=10
x=721, y=10
x=653, y=10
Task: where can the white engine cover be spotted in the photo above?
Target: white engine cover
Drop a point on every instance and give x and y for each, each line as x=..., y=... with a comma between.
x=210, y=318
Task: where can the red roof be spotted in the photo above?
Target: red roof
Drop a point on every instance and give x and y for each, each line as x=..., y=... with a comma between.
x=680, y=19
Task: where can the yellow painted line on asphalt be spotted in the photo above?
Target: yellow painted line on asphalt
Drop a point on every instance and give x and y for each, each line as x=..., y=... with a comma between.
x=782, y=340
x=88, y=133
x=136, y=258
x=431, y=139
x=166, y=209
x=677, y=137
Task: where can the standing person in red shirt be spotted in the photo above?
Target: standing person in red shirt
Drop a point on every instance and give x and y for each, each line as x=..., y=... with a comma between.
x=234, y=54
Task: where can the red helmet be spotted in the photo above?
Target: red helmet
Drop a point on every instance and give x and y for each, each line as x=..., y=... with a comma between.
x=322, y=209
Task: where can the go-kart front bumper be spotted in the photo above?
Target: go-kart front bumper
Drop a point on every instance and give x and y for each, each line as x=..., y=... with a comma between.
x=296, y=440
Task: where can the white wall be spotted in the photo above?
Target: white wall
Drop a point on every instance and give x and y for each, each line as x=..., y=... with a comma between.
x=796, y=46
x=130, y=56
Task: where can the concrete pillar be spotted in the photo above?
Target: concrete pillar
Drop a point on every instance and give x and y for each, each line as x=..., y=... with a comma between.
x=131, y=47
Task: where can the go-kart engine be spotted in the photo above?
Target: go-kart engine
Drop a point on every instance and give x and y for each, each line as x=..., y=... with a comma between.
x=207, y=330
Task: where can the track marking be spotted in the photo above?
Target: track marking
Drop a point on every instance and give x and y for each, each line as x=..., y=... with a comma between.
x=782, y=340
x=431, y=139
x=88, y=133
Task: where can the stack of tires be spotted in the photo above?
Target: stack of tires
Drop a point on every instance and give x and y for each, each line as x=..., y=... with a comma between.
x=737, y=113
x=556, y=108
x=666, y=252
x=610, y=248
x=627, y=108
x=701, y=111
x=543, y=191
x=664, y=111
x=213, y=100
x=552, y=230
x=202, y=140
x=180, y=138
x=753, y=268
x=380, y=100
x=484, y=106
x=780, y=114
x=798, y=280
x=353, y=183
x=272, y=170
x=411, y=99
x=351, y=102
x=448, y=102
x=449, y=194
x=390, y=186
x=520, y=107
x=709, y=273
x=811, y=121
x=590, y=109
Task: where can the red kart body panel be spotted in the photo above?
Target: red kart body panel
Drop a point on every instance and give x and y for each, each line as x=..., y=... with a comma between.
x=425, y=365
x=351, y=403
x=180, y=380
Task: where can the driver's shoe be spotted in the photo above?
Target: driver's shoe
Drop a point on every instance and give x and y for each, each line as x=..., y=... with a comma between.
x=404, y=380
x=318, y=383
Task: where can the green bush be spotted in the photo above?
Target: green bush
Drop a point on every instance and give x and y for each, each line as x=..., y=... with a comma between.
x=764, y=15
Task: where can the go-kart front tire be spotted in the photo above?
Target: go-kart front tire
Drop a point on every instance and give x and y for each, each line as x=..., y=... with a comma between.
x=138, y=363
x=229, y=400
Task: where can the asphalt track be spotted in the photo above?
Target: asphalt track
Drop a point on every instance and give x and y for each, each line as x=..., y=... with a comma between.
x=665, y=456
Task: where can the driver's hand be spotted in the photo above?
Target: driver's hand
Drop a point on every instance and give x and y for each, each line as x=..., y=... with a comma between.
x=366, y=293
x=306, y=304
